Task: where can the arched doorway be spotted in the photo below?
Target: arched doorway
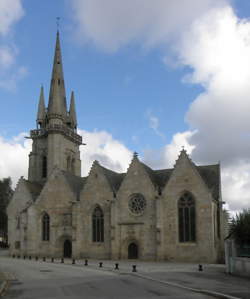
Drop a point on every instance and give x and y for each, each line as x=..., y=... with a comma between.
x=132, y=251
x=67, y=248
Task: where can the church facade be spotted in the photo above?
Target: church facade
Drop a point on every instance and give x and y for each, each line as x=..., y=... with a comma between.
x=168, y=214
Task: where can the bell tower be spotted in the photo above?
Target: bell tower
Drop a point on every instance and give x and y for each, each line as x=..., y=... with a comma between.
x=55, y=140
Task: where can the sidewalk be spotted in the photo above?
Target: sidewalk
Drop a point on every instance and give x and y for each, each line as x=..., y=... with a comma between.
x=212, y=279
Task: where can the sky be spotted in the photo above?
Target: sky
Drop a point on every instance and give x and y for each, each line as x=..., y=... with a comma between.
x=148, y=76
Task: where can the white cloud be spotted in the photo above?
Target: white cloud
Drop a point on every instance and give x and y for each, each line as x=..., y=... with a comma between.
x=10, y=12
x=14, y=157
x=6, y=57
x=101, y=146
x=111, y=24
x=166, y=157
x=154, y=124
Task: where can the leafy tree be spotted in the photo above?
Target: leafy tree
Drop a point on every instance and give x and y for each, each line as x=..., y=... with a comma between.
x=5, y=195
x=240, y=227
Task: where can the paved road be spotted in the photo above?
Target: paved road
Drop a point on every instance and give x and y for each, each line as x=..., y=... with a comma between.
x=31, y=279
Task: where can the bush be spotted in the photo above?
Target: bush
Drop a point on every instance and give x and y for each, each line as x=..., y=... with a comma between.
x=240, y=227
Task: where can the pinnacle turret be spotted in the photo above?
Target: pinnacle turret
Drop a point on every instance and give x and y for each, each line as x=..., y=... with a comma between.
x=57, y=98
x=72, y=111
x=41, y=109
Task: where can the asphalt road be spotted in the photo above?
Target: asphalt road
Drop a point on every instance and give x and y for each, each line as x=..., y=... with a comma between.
x=45, y=280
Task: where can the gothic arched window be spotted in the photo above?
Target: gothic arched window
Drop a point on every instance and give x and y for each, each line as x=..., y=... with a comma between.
x=186, y=209
x=45, y=227
x=73, y=166
x=98, y=225
x=44, y=166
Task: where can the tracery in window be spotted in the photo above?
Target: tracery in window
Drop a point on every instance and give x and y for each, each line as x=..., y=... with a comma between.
x=137, y=203
x=186, y=209
x=98, y=225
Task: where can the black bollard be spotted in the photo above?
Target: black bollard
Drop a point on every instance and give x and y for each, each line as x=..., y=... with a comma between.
x=30, y=257
x=62, y=260
x=200, y=268
x=52, y=260
x=73, y=261
x=86, y=263
x=116, y=266
x=24, y=257
x=13, y=256
x=44, y=259
x=134, y=268
x=36, y=258
x=100, y=264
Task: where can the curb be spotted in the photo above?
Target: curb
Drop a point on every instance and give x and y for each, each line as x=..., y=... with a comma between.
x=202, y=291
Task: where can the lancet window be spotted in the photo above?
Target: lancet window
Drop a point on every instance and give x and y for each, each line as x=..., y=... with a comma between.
x=45, y=227
x=186, y=209
x=44, y=166
x=98, y=225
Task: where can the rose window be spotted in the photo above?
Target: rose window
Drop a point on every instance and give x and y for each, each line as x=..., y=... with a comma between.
x=137, y=203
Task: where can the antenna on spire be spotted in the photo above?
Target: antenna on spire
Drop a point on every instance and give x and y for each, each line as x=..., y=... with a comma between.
x=58, y=23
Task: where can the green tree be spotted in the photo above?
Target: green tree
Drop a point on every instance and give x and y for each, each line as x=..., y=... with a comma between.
x=5, y=192
x=5, y=196
x=240, y=227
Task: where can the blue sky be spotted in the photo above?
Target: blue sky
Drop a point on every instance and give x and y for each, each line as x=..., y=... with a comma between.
x=149, y=76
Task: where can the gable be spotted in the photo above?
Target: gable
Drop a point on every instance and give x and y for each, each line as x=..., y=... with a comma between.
x=21, y=198
x=139, y=177
x=99, y=179
x=56, y=191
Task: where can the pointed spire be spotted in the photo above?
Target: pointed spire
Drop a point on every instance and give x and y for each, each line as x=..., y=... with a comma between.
x=72, y=111
x=57, y=97
x=41, y=108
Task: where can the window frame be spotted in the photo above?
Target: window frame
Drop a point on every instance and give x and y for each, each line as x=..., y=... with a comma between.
x=186, y=208
x=45, y=227
x=97, y=225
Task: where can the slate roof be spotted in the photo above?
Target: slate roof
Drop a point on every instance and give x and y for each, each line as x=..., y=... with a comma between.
x=209, y=173
x=211, y=176
x=115, y=179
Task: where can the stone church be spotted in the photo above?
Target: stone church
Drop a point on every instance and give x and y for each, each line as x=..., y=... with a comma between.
x=167, y=214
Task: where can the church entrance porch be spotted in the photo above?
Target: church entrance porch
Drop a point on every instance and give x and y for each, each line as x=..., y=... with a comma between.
x=67, y=249
x=132, y=251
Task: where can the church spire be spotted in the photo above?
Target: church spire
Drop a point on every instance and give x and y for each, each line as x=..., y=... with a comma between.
x=41, y=109
x=72, y=111
x=57, y=99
